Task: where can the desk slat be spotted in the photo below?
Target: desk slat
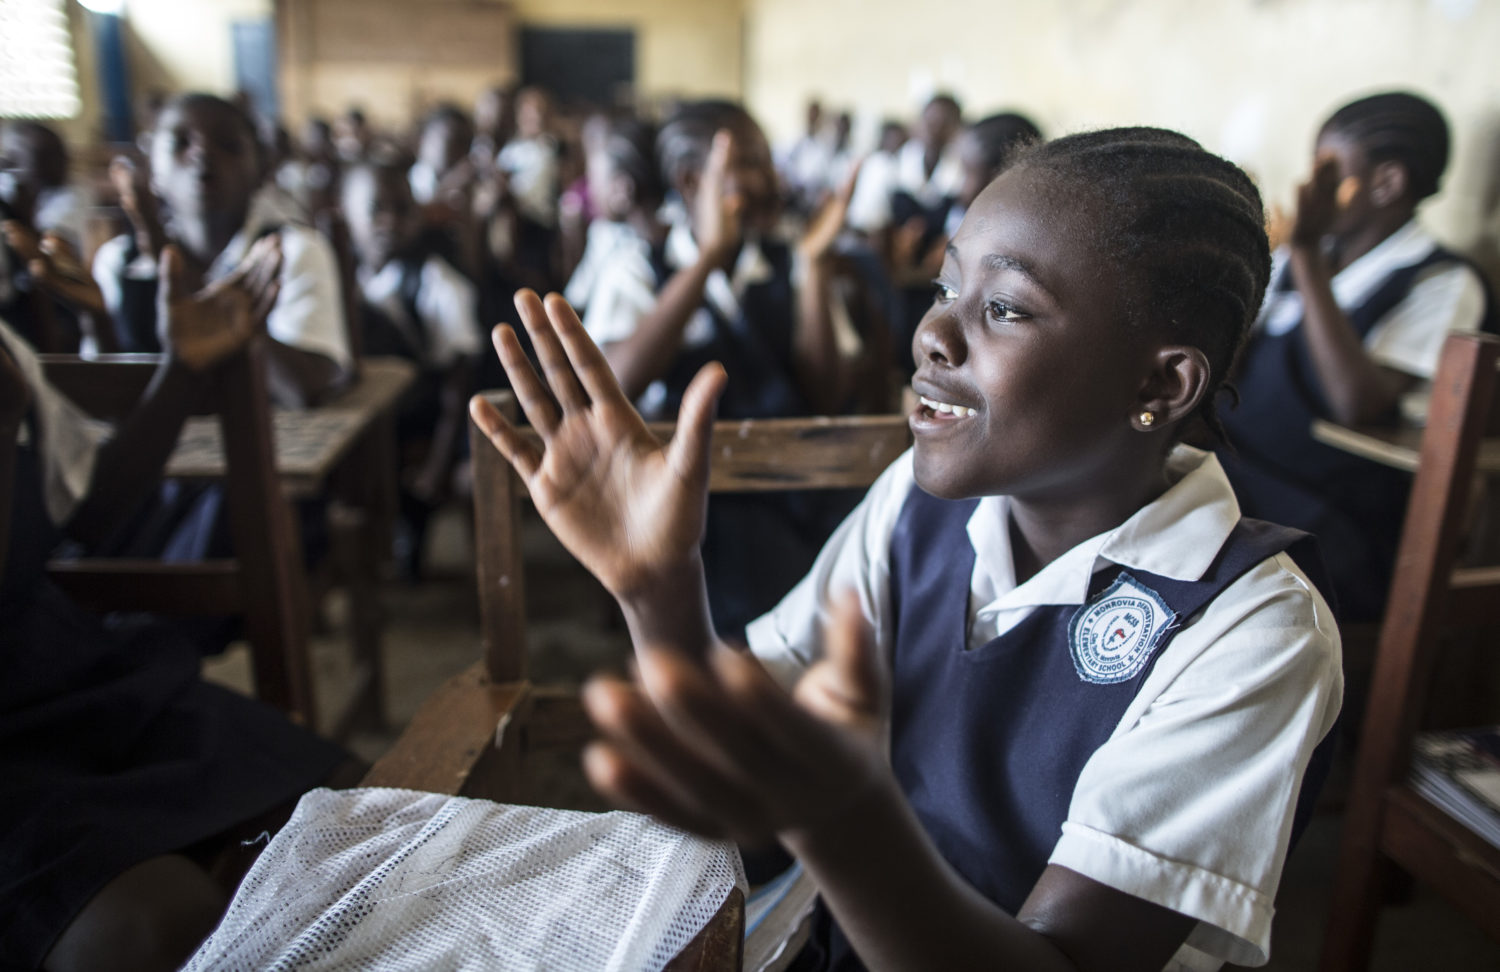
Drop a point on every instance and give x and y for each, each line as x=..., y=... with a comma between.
x=1397, y=448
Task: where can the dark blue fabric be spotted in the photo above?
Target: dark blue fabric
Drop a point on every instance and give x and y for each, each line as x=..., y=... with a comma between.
x=988, y=744
x=112, y=749
x=1280, y=473
x=756, y=545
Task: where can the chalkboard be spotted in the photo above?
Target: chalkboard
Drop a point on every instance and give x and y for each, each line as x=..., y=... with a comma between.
x=580, y=65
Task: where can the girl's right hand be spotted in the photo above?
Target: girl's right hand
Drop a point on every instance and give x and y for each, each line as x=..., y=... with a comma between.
x=719, y=219
x=629, y=507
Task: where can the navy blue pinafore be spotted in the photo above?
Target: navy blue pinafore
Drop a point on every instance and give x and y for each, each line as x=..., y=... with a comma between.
x=1281, y=473
x=112, y=749
x=993, y=792
x=756, y=546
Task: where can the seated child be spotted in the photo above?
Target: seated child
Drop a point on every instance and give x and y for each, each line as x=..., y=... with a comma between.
x=1359, y=305
x=615, y=282
x=129, y=782
x=418, y=307
x=44, y=220
x=925, y=172
x=1107, y=685
x=205, y=170
x=727, y=291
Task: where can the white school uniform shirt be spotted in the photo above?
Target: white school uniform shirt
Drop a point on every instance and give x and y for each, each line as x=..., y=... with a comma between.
x=446, y=301
x=309, y=311
x=906, y=171
x=1189, y=803
x=1409, y=338
x=531, y=164
x=70, y=440
x=63, y=210
x=626, y=291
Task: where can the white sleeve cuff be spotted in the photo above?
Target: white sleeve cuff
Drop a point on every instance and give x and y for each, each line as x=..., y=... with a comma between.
x=1234, y=919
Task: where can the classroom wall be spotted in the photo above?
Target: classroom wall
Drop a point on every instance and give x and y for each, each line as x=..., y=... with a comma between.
x=1249, y=78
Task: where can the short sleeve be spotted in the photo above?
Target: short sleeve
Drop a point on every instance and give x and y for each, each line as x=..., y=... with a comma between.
x=1189, y=804
x=309, y=312
x=623, y=292
x=856, y=557
x=1409, y=338
x=449, y=305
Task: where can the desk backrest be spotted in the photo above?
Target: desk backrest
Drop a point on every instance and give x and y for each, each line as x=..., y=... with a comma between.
x=748, y=455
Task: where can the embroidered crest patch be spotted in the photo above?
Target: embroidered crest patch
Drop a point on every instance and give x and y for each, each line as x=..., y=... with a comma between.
x=1113, y=636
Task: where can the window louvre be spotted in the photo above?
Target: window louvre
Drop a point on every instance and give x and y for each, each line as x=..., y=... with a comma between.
x=37, y=75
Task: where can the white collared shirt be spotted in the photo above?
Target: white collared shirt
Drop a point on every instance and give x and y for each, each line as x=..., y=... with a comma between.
x=1188, y=804
x=446, y=301
x=309, y=310
x=1409, y=338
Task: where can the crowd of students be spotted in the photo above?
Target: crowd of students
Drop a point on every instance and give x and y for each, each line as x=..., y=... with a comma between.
x=1062, y=561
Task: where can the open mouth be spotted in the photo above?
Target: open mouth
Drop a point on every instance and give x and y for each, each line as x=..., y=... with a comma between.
x=933, y=407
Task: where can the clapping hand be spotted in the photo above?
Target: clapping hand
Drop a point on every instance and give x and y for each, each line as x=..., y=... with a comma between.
x=720, y=749
x=203, y=328
x=630, y=507
x=719, y=214
x=1319, y=201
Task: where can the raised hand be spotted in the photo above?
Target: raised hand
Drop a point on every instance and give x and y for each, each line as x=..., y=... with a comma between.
x=628, y=506
x=1319, y=201
x=825, y=227
x=55, y=266
x=722, y=750
x=719, y=214
x=204, y=328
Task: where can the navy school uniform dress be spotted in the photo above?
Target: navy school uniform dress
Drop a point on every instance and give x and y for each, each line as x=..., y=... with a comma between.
x=1353, y=505
x=994, y=801
x=756, y=545
x=112, y=749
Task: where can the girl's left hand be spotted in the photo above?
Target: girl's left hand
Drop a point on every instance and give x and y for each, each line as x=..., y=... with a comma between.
x=718, y=748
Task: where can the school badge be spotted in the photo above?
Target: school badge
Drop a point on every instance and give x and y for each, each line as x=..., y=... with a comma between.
x=1113, y=636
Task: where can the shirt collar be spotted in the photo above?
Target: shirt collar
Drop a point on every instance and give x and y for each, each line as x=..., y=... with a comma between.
x=1177, y=535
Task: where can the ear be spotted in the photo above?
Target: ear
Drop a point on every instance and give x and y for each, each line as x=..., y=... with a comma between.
x=1389, y=183
x=1175, y=387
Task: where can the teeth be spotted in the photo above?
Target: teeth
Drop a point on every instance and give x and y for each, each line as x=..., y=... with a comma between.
x=960, y=410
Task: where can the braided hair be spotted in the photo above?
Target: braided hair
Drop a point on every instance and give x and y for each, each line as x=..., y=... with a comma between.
x=1400, y=127
x=629, y=145
x=1186, y=228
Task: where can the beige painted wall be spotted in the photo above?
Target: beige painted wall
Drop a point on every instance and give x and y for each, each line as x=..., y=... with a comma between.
x=1249, y=78
x=683, y=47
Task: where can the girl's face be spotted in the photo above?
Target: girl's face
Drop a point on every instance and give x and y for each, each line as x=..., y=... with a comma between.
x=1026, y=352
x=1356, y=175
x=381, y=215
x=204, y=160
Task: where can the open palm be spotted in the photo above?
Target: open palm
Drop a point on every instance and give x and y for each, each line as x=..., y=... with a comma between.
x=628, y=506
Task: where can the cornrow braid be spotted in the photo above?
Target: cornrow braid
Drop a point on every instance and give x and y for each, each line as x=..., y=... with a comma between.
x=1187, y=230
x=1401, y=127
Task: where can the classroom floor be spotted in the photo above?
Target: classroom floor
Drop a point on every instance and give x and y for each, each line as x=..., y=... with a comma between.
x=431, y=634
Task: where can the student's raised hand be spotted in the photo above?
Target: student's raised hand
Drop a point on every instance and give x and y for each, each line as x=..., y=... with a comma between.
x=825, y=227
x=55, y=266
x=1319, y=202
x=203, y=328
x=722, y=750
x=719, y=216
x=628, y=506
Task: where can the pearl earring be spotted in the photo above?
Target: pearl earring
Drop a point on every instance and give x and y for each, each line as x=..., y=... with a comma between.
x=1148, y=419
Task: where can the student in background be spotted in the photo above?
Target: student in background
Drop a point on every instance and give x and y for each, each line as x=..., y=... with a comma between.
x=418, y=307
x=206, y=173
x=727, y=290
x=924, y=175
x=1361, y=299
x=529, y=160
x=129, y=782
x=43, y=218
x=804, y=165
x=615, y=282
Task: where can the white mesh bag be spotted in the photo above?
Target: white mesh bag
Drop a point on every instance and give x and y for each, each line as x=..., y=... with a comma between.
x=395, y=879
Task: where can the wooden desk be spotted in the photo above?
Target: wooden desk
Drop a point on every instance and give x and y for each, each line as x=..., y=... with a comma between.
x=310, y=444
x=1398, y=448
